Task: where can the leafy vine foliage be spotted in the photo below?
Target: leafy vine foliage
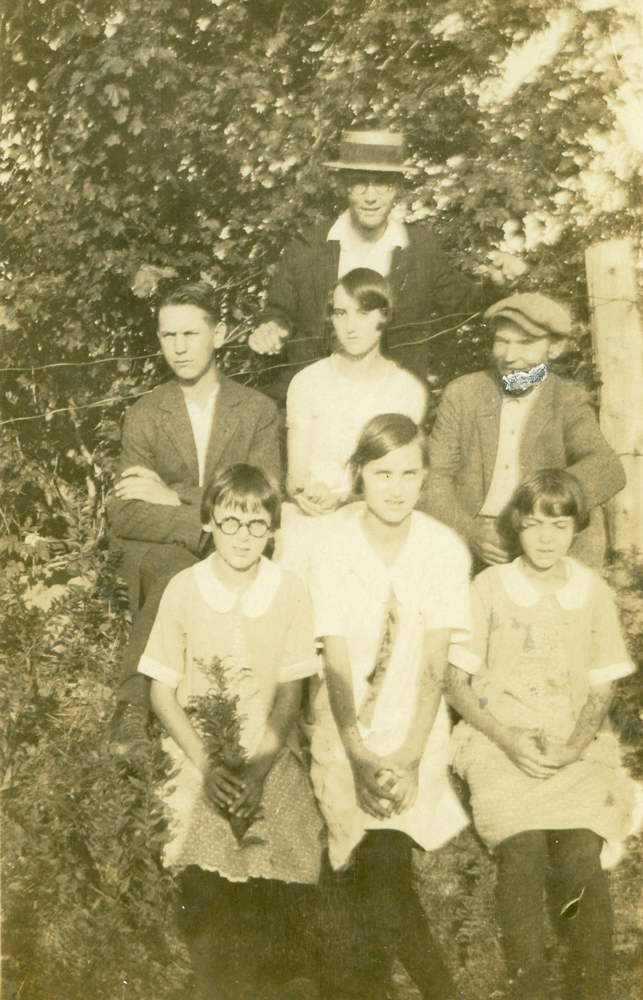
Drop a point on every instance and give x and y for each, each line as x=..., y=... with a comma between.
x=141, y=143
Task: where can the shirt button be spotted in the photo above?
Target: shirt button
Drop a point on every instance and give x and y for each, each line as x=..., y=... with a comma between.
x=513, y=431
x=506, y=467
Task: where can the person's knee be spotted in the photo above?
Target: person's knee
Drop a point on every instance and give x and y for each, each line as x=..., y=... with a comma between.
x=524, y=852
x=159, y=565
x=579, y=887
x=385, y=859
x=166, y=559
x=576, y=855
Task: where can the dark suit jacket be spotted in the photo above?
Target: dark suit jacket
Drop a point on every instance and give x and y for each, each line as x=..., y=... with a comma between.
x=560, y=432
x=426, y=289
x=157, y=434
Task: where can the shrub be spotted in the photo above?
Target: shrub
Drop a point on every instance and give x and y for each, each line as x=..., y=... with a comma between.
x=87, y=906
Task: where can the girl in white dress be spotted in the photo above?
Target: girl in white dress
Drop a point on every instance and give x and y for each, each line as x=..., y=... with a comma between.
x=232, y=640
x=330, y=401
x=390, y=592
x=548, y=791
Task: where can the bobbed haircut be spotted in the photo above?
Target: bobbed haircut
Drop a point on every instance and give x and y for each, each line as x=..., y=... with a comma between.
x=382, y=434
x=200, y=294
x=368, y=288
x=246, y=487
x=554, y=492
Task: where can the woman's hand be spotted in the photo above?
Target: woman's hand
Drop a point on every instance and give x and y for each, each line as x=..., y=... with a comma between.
x=249, y=799
x=316, y=500
x=372, y=780
x=222, y=787
x=524, y=748
x=404, y=788
x=560, y=754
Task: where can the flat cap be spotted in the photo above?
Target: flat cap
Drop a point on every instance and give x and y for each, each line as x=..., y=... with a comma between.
x=534, y=313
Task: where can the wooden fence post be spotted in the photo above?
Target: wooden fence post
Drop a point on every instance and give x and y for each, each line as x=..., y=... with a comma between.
x=618, y=353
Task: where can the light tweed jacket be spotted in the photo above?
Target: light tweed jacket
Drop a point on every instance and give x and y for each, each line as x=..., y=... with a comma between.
x=561, y=432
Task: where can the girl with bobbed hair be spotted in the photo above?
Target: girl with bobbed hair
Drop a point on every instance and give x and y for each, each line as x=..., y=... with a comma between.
x=330, y=401
x=390, y=593
x=533, y=686
x=555, y=492
x=231, y=643
x=383, y=434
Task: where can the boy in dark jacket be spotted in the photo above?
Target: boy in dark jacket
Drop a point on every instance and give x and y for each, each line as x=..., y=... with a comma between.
x=175, y=440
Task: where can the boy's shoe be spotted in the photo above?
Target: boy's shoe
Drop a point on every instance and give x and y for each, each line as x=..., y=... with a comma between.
x=128, y=728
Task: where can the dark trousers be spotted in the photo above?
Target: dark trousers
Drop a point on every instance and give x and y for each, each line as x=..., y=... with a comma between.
x=394, y=917
x=562, y=867
x=159, y=564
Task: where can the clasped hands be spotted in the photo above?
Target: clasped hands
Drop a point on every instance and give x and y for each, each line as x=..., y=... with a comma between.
x=383, y=785
x=233, y=793
x=139, y=483
x=535, y=754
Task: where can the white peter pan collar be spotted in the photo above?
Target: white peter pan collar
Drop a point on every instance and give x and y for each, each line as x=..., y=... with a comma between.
x=571, y=596
x=254, y=602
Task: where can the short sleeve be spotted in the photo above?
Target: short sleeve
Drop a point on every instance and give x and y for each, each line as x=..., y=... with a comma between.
x=299, y=657
x=471, y=654
x=327, y=589
x=164, y=656
x=447, y=602
x=609, y=657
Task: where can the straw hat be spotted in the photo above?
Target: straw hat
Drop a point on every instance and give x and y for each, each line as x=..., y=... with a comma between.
x=381, y=152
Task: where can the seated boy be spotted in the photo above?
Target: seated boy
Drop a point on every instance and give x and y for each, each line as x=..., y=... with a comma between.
x=492, y=431
x=175, y=440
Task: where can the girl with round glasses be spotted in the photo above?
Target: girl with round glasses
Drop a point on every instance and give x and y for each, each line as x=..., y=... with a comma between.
x=235, y=630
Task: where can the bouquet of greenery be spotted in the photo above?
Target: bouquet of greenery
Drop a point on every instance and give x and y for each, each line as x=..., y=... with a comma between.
x=216, y=718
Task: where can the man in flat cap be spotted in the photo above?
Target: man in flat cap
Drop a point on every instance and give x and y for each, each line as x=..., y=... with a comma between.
x=425, y=285
x=495, y=428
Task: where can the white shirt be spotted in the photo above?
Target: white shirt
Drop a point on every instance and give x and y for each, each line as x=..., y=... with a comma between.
x=201, y=420
x=506, y=471
x=355, y=253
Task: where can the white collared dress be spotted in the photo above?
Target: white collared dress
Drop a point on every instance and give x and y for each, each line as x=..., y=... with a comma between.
x=351, y=589
x=262, y=638
x=534, y=658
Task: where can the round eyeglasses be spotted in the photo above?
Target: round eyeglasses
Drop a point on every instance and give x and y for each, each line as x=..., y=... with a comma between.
x=230, y=525
x=361, y=187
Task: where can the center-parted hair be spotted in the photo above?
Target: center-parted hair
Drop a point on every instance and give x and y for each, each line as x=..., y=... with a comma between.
x=382, y=434
x=200, y=294
x=246, y=487
x=368, y=288
x=554, y=492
